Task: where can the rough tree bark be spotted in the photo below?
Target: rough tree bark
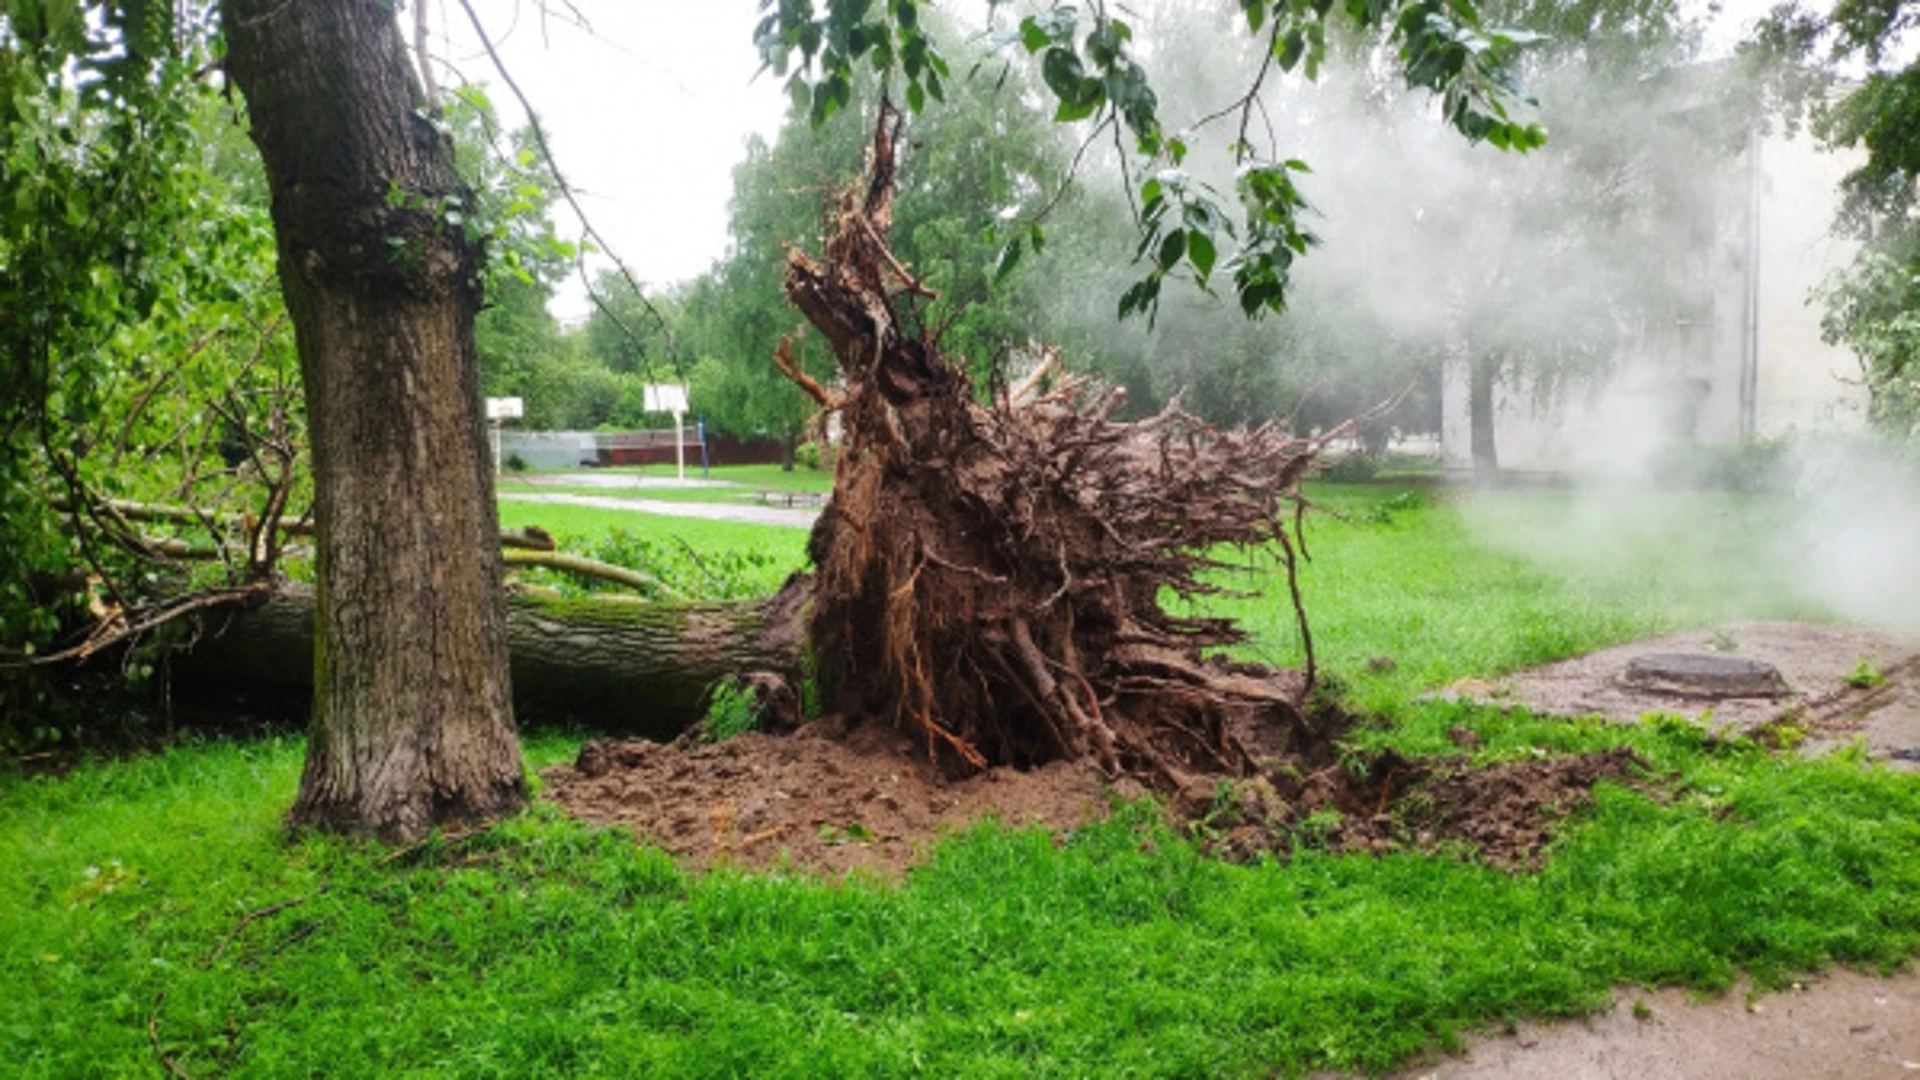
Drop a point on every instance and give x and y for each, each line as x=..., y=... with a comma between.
x=412, y=721
x=991, y=577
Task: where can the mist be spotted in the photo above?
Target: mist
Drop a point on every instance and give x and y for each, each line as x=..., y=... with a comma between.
x=1645, y=358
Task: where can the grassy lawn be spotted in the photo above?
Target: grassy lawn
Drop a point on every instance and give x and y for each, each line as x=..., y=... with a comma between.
x=1487, y=583
x=588, y=525
x=702, y=559
x=545, y=948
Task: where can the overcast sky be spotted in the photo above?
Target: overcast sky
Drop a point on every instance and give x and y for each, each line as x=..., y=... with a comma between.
x=650, y=112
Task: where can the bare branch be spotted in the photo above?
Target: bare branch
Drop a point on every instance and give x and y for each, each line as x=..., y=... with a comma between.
x=567, y=190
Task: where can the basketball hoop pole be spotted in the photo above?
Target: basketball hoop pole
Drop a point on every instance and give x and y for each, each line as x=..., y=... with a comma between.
x=679, y=445
x=671, y=398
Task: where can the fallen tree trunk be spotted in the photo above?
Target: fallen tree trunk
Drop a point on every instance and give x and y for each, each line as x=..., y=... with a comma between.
x=620, y=666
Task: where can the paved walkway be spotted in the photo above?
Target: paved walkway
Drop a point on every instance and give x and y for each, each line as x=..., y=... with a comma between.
x=622, y=481
x=1839, y=1026
x=752, y=515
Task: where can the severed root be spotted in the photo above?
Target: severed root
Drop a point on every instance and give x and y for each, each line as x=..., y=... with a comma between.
x=784, y=359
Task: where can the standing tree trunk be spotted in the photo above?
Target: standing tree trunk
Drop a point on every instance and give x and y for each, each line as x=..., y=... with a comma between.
x=1483, y=370
x=412, y=720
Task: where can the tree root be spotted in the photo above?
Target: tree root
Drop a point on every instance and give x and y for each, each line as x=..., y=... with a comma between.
x=991, y=576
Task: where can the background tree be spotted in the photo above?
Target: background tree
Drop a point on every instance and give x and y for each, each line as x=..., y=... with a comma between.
x=1840, y=66
x=1533, y=274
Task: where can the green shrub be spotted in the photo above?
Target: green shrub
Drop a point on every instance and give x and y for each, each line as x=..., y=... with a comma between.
x=1350, y=469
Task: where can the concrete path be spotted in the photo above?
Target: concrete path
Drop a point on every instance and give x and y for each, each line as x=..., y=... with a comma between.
x=1840, y=1026
x=621, y=481
x=751, y=515
x=1815, y=659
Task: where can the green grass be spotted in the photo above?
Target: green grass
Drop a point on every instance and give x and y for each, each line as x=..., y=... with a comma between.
x=757, y=477
x=700, y=559
x=1478, y=585
x=589, y=524
x=732, y=496
x=545, y=948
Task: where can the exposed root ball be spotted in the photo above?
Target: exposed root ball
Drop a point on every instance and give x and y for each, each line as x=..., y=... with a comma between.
x=990, y=577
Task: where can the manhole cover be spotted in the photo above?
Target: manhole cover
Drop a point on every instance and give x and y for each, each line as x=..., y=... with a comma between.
x=1704, y=675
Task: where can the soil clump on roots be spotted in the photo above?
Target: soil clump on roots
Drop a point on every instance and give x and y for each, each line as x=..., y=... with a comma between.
x=989, y=614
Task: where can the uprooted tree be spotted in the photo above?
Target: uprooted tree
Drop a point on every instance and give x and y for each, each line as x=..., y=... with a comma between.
x=991, y=577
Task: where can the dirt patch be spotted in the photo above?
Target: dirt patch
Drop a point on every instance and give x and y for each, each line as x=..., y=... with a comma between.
x=1508, y=811
x=1840, y=682
x=832, y=799
x=825, y=798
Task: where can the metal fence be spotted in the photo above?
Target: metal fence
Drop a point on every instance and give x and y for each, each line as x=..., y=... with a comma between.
x=575, y=449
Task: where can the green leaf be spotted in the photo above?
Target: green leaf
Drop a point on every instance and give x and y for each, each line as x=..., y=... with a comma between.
x=1009, y=258
x=1061, y=70
x=1141, y=297
x=1290, y=48
x=1032, y=36
x=1173, y=247
x=1201, y=252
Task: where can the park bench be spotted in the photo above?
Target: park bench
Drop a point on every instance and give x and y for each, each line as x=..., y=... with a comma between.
x=792, y=498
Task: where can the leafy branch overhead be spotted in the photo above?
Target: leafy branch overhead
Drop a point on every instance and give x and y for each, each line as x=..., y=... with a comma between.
x=1086, y=64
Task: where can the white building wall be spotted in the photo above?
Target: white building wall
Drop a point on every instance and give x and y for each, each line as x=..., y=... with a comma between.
x=1800, y=383
x=1804, y=383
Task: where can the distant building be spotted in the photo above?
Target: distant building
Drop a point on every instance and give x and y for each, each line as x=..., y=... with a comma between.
x=1741, y=359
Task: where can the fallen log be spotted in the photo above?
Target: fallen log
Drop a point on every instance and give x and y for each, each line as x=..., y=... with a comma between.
x=616, y=665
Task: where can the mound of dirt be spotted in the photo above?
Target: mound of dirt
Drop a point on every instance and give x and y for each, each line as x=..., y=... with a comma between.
x=831, y=798
x=826, y=798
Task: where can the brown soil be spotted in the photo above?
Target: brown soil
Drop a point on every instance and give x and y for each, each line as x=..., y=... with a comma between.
x=824, y=798
x=832, y=799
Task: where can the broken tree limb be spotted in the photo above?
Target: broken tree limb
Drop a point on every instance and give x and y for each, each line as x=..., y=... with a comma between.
x=591, y=568
x=530, y=538
x=1049, y=360
x=789, y=366
x=620, y=665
